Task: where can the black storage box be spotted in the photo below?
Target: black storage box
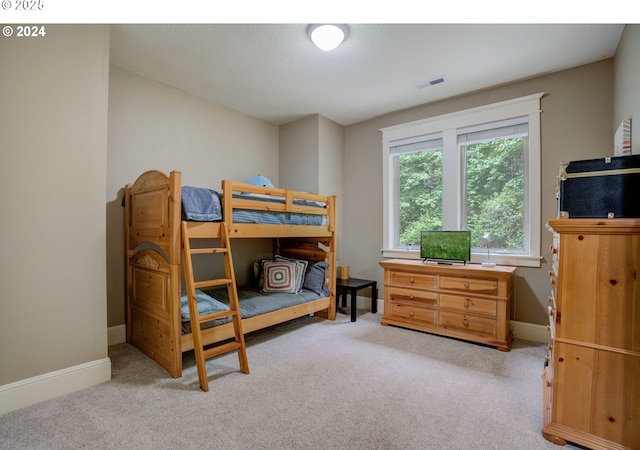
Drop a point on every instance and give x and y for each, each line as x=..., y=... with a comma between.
x=600, y=188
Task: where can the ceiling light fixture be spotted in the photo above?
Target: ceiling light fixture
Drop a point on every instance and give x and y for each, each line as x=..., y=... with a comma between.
x=327, y=36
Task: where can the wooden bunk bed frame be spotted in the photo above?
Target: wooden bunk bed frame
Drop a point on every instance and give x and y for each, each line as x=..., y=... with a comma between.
x=153, y=259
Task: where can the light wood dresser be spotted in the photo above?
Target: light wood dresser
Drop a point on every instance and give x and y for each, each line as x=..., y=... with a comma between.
x=470, y=302
x=591, y=382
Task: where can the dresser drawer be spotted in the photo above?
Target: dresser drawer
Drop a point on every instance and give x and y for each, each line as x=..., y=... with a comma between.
x=468, y=323
x=486, y=287
x=412, y=312
x=422, y=298
x=468, y=304
x=552, y=322
x=552, y=299
x=413, y=280
x=553, y=274
x=550, y=359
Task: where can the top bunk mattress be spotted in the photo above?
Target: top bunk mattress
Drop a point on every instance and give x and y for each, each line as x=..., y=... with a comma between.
x=204, y=205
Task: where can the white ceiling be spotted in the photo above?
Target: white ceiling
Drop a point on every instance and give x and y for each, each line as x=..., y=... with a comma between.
x=275, y=73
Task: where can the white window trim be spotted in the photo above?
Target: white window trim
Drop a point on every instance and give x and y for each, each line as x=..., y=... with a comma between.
x=449, y=123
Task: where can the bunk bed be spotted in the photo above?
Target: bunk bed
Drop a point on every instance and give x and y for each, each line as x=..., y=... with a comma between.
x=155, y=297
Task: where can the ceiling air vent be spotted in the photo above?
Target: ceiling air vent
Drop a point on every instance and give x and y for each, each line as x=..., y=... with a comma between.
x=425, y=84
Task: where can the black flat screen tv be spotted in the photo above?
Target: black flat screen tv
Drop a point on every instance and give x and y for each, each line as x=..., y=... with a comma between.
x=445, y=247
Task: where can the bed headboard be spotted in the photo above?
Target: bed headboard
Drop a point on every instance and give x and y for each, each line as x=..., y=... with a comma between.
x=311, y=251
x=152, y=213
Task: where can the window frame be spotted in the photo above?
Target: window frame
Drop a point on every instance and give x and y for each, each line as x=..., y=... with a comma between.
x=448, y=125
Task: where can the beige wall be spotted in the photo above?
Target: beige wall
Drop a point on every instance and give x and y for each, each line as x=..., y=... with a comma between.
x=53, y=128
x=331, y=157
x=299, y=155
x=627, y=91
x=576, y=124
x=155, y=126
x=311, y=159
x=331, y=172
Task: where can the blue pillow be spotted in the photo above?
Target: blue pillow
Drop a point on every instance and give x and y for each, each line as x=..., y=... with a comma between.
x=206, y=305
x=314, y=278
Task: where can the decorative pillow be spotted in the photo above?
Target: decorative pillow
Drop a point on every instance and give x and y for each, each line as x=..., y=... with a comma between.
x=301, y=267
x=206, y=305
x=279, y=276
x=314, y=278
x=258, y=271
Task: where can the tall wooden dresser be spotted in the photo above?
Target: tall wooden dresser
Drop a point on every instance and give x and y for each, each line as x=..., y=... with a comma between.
x=591, y=383
x=470, y=302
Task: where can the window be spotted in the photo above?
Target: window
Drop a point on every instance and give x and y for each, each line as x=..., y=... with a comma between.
x=475, y=170
x=417, y=174
x=494, y=188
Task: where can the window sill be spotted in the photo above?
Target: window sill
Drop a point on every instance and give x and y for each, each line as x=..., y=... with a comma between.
x=477, y=258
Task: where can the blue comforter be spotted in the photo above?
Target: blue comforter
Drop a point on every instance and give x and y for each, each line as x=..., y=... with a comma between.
x=203, y=205
x=200, y=204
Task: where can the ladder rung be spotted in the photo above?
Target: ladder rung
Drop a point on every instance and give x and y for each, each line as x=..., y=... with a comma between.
x=220, y=349
x=216, y=315
x=200, y=251
x=212, y=283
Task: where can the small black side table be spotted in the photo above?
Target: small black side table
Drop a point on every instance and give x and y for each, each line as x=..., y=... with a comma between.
x=353, y=285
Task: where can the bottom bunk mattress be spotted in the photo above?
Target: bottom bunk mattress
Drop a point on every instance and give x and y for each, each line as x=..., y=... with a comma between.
x=253, y=302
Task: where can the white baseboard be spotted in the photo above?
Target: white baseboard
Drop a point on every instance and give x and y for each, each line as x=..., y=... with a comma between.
x=521, y=330
x=117, y=334
x=34, y=390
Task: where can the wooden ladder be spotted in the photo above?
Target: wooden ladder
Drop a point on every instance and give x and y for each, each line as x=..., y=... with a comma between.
x=189, y=232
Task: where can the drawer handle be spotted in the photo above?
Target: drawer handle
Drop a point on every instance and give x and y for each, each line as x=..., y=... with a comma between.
x=466, y=285
x=466, y=304
x=465, y=322
x=411, y=280
x=411, y=314
x=411, y=297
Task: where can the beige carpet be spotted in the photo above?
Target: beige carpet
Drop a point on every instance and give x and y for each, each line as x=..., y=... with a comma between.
x=314, y=384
